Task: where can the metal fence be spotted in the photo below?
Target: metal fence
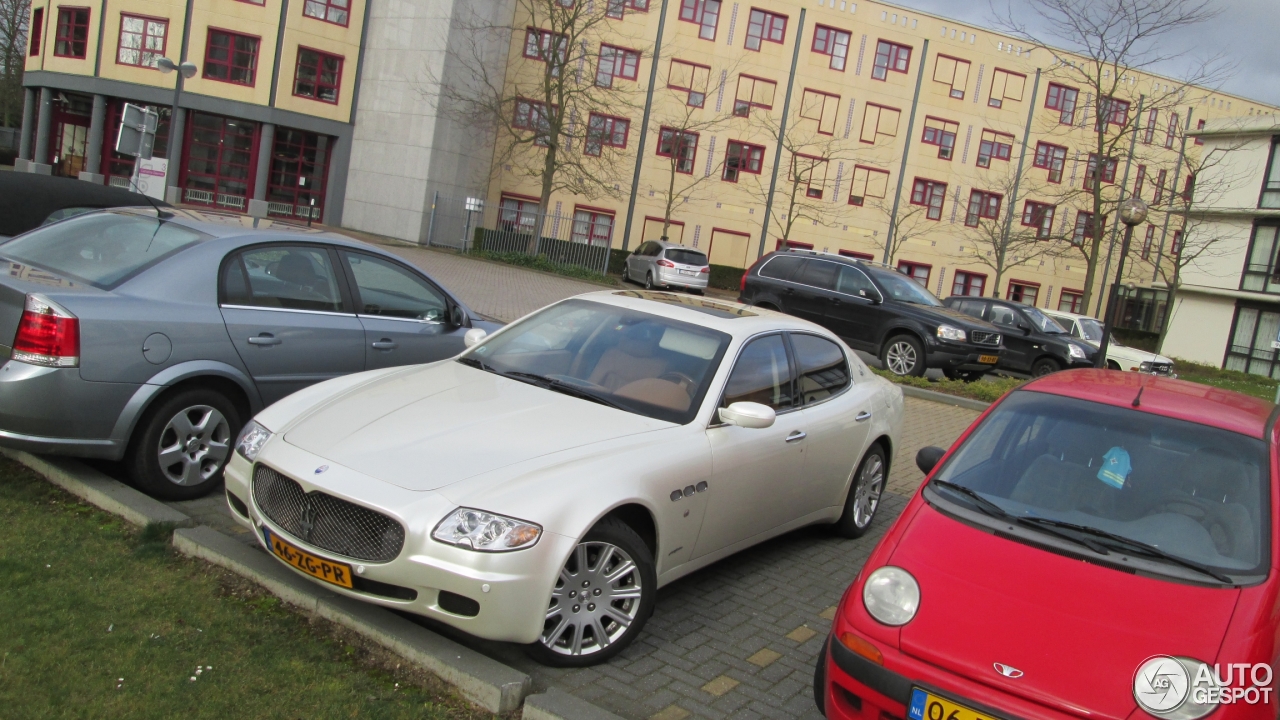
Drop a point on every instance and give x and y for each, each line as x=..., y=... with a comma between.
x=450, y=225
x=10, y=138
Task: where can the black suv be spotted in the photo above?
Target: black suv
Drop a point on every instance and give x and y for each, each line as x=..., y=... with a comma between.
x=1033, y=342
x=874, y=309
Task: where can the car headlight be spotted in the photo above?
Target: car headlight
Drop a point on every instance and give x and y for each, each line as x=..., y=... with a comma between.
x=1075, y=351
x=1144, y=367
x=485, y=532
x=891, y=595
x=946, y=332
x=251, y=440
x=1157, y=683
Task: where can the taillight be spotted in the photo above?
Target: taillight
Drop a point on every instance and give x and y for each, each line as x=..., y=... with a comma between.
x=742, y=285
x=47, y=335
x=705, y=269
x=666, y=263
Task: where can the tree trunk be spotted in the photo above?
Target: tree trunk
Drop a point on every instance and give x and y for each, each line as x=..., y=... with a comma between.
x=544, y=200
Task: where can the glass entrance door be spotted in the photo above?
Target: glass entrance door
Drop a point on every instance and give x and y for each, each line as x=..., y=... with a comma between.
x=220, y=158
x=299, y=169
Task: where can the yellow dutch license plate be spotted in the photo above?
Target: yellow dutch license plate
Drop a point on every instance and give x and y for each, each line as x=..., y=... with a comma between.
x=927, y=706
x=327, y=570
x=988, y=359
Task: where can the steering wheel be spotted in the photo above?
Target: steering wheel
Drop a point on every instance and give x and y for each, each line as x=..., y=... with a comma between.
x=684, y=381
x=567, y=380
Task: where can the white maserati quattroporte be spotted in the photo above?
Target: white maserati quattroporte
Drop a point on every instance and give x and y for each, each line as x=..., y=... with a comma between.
x=540, y=487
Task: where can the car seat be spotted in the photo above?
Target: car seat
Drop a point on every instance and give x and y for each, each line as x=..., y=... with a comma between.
x=632, y=359
x=1064, y=478
x=1222, y=495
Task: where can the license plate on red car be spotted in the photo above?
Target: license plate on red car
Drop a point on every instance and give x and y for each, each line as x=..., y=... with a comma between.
x=928, y=706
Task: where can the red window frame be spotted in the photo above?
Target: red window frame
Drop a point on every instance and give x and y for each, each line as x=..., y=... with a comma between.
x=608, y=132
x=953, y=92
x=814, y=164
x=826, y=98
x=1073, y=300
x=1188, y=187
x=860, y=200
x=929, y=194
x=1084, y=227
x=890, y=57
x=944, y=137
x=37, y=30
x=1039, y=215
x=71, y=35
x=593, y=218
x=230, y=62
x=826, y=41
x=143, y=49
x=1161, y=178
x=1171, y=132
x=1064, y=99
x=529, y=121
x=764, y=26
x=914, y=270
x=968, y=284
x=742, y=108
x=540, y=47
x=616, y=9
x=320, y=83
x=1108, y=171
x=624, y=64
x=983, y=205
x=989, y=148
x=1049, y=158
x=517, y=211
x=1149, y=132
x=1023, y=286
x=1139, y=181
x=1116, y=111
x=667, y=136
x=750, y=160
x=998, y=102
x=1175, y=244
x=1200, y=126
x=698, y=12
x=1148, y=241
x=702, y=96
x=335, y=12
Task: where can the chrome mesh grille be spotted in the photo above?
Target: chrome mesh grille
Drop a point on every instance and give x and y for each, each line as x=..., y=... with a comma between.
x=985, y=338
x=325, y=521
x=1162, y=368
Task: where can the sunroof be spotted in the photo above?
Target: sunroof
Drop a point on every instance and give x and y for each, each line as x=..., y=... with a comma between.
x=698, y=304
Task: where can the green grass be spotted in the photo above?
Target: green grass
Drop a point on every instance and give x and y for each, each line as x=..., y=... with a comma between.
x=1259, y=386
x=987, y=390
x=87, y=600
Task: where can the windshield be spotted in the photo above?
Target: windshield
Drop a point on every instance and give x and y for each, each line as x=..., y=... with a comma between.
x=1092, y=331
x=643, y=363
x=1196, y=492
x=902, y=288
x=1043, y=323
x=686, y=257
x=100, y=249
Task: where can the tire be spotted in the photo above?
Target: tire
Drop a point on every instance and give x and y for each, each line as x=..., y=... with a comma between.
x=606, y=547
x=698, y=291
x=194, y=430
x=865, y=491
x=1113, y=365
x=965, y=375
x=626, y=273
x=648, y=281
x=903, y=355
x=1045, y=366
x=820, y=680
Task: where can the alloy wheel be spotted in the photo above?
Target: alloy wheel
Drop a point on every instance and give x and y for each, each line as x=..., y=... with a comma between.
x=866, y=495
x=194, y=445
x=901, y=358
x=596, y=598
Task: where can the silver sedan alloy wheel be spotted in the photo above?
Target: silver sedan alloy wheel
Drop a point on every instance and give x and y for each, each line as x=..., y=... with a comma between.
x=194, y=445
x=901, y=358
x=596, y=599
x=866, y=494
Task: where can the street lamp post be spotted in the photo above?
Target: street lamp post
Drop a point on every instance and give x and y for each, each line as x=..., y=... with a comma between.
x=1133, y=212
x=174, y=151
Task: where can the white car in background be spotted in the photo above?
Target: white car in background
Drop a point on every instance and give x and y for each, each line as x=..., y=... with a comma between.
x=543, y=485
x=1119, y=357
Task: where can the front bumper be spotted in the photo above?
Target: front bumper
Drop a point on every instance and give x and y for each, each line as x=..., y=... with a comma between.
x=512, y=589
x=52, y=410
x=675, y=278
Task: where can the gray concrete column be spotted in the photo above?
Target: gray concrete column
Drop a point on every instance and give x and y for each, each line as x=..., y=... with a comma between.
x=177, y=137
x=40, y=159
x=28, y=120
x=266, y=143
x=97, y=127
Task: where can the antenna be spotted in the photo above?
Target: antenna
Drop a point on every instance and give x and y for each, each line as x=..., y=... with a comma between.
x=136, y=137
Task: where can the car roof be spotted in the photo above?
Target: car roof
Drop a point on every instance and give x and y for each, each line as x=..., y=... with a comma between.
x=1180, y=399
x=726, y=316
x=668, y=244
x=1071, y=315
x=224, y=225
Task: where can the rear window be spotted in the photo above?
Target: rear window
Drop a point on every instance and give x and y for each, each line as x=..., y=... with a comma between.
x=686, y=257
x=100, y=249
x=780, y=267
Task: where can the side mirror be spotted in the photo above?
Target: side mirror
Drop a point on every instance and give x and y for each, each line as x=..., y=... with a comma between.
x=473, y=337
x=1026, y=329
x=748, y=415
x=457, y=317
x=928, y=457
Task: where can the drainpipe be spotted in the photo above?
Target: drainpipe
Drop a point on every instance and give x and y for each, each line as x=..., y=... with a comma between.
x=644, y=128
x=906, y=149
x=1124, y=188
x=1017, y=179
x=782, y=133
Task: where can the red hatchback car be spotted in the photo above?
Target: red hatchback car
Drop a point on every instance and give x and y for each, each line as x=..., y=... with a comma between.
x=1097, y=545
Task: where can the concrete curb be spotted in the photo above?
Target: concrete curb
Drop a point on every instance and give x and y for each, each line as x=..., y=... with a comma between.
x=97, y=489
x=967, y=403
x=486, y=682
x=557, y=704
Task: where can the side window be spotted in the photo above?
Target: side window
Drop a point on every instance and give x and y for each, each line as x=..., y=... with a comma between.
x=289, y=277
x=822, y=367
x=853, y=281
x=645, y=249
x=388, y=290
x=819, y=274
x=781, y=267
x=761, y=375
x=971, y=307
x=1003, y=316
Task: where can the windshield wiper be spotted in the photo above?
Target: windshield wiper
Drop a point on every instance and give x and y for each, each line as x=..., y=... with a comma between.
x=475, y=363
x=561, y=387
x=1000, y=513
x=1132, y=544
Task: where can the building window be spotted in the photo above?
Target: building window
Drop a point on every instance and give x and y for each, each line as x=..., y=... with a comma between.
x=72, y=39
x=318, y=75
x=810, y=174
x=1112, y=110
x=1063, y=99
x=868, y=182
x=538, y=44
x=1189, y=187
x=822, y=108
x=594, y=227
x=753, y=92
x=142, y=40
x=616, y=62
x=616, y=8
x=1160, y=180
x=1148, y=241
x=1200, y=126
x=941, y=133
x=1039, y=216
x=231, y=57
x=704, y=14
x=37, y=30
x=1023, y=292
x=1149, y=132
x=1171, y=132
x=606, y=131
x=1261, y=269
x=517, y=213
x=952, y=72
x=690, y=78
x=1070, y=301
x=890, y=57
x=833, y=42
x=878, y=121
x=1084, y=227
x=967, y=283
x=994, y=145
x=1052, y=158
x=1006, y=87
x=1175, y=244
x=742, y=158
x=1139, y=181
x=1108, y=171
x=679, y=145
x=334, y=11
x=765, y=27
x=1250, y=350
x=931, y=195
x=916, y=271
x=1271, y=184
x=982, y=206
x=299, y=166
x=532, y=115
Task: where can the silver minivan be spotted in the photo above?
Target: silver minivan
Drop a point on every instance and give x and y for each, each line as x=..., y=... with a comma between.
x=660, y=264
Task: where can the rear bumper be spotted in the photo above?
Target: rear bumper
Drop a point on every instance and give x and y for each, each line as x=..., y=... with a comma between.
x=674, y=278
x=52, y=410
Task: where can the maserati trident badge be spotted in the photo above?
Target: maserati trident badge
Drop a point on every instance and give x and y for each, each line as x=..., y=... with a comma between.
x=307, y=521
x=1008, y=670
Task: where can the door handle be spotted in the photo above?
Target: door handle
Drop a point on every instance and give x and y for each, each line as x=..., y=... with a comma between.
x=864, y=415
x=265, y=339
x=788, y=291
x=796, y=436
x=385, y=344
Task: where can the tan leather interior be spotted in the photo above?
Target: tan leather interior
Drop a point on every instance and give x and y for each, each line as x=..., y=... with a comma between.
x=656, y=391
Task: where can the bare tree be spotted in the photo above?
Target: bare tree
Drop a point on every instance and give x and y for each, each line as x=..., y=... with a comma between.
x=1002, y=241
x=14, y=17
x=909, y=223
x=1108, y=42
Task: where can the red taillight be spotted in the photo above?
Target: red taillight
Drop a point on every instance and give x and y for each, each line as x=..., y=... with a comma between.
x=47, y=335
x=705, y=269
x=742, y=285
x=666, y=263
